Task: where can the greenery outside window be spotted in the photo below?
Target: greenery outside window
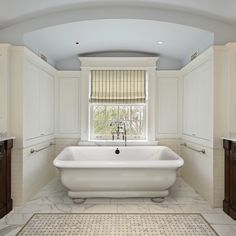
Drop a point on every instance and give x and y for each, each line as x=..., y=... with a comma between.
x=134, y=116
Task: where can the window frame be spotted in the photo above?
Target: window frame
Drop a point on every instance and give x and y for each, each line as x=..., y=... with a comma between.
x=145, y=120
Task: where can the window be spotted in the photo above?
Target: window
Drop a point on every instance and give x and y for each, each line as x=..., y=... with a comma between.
x=103, y=115
x=118, y=95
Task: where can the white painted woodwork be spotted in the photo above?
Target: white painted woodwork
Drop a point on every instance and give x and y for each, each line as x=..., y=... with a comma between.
x=167, y=97
x=4, y=87
x=32, y=98
x=68, y=104
x=31, y=101
x=2, y=100
x=38, y=102
x=198, y=100
x=109, y=63
x=46, y=108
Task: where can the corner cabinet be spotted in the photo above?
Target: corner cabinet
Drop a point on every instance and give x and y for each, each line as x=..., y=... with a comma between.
x=198, y=101
x=5, y=177
x=38, y=101
x=229, y=203
x=32, y=101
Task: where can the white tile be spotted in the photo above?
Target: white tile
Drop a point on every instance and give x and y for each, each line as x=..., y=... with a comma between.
x=134, y=208
x=98, y=201
x=109, y=208
x=128, y=201
x=160, y=208
x=201, y=208
x=224, y=230
x=220, y=219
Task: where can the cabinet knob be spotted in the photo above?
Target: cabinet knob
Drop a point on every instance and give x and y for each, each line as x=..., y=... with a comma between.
x=42, y=134
x=193, y=134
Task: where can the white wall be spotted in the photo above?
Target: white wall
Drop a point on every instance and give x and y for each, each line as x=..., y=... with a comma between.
x=167, y=104
x=67, y=96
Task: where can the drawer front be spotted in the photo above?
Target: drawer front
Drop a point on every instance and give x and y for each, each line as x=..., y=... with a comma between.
x=2, y=150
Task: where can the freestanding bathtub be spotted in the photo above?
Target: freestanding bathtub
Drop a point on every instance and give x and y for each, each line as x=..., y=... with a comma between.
x=143, y=171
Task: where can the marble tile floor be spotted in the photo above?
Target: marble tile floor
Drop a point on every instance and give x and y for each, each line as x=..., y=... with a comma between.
x=53, y=199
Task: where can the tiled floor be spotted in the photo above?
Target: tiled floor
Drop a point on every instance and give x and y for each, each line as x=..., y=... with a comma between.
x=53, y=199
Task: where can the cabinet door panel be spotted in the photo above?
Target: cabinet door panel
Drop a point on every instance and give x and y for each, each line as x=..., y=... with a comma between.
x=31, y=101
x=189, y=105
x=46, y=103
x=204, y=101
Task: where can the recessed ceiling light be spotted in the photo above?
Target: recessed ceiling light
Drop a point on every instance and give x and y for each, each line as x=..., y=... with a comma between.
x=160, y=42
x=77, y=43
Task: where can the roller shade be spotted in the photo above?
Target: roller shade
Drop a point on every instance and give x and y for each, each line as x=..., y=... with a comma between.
x=118, y=86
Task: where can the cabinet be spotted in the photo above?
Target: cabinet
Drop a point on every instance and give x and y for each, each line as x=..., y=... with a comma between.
x=5, y=177
x=32, y=98
x=4, y=93
x=229, y=203
x=198, y=101
x=38, y=101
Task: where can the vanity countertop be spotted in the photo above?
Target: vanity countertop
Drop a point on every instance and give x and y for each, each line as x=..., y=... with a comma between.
x=6, y=138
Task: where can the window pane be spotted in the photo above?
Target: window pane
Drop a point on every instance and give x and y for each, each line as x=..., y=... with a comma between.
x=137, y=128
x=99, y=127
x=137, y=113
x=111, y=113
x=124, y=112
x=99, y=113
x=132, y=115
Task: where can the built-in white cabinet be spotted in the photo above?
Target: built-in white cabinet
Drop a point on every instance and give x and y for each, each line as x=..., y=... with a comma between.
x=198, y=100
x=167, y=104
x=4, y=91
x=68, y=102
x=39, y=102
x=32, y=102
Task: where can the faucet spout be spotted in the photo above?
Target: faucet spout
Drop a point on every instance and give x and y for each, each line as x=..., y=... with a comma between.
x=119, y=128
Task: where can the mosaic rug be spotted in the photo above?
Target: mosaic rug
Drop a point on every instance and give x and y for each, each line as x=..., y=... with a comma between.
x=99, y=224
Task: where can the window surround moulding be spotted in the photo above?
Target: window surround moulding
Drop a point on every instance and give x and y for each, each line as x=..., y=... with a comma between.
x=118, y=62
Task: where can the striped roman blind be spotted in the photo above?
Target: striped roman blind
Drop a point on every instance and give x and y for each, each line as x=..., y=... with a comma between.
x=118, y=86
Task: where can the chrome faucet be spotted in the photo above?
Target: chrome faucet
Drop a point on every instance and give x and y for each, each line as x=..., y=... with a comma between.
x=119, y=129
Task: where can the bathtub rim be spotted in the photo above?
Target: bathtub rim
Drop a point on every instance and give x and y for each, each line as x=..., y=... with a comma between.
x=157, y=164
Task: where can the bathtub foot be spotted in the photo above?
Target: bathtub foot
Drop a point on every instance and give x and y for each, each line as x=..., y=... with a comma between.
x=79, y=200
x=157, y=199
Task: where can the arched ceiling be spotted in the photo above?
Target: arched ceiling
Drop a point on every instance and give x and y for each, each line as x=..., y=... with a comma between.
x=27, y=22
x=15, y=11
x=178, y=41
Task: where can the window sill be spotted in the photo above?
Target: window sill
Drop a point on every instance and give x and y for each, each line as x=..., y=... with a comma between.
x=117, y=143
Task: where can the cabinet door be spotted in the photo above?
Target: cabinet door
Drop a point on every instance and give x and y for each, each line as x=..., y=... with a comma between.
x=204, y=101
x=189, y=105
x=2, y=97
x=46, y=103
x=31, y=101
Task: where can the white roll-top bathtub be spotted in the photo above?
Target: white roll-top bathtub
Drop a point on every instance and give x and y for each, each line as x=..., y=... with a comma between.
x=143, y=171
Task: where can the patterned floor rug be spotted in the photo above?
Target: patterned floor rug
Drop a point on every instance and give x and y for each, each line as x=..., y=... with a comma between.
x=170, y=224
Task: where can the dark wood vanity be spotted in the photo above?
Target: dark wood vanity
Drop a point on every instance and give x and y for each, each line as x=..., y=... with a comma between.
x=5, y=177
x=229, y=203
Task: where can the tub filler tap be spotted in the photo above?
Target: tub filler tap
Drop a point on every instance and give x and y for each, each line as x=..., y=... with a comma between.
x=119, y=129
